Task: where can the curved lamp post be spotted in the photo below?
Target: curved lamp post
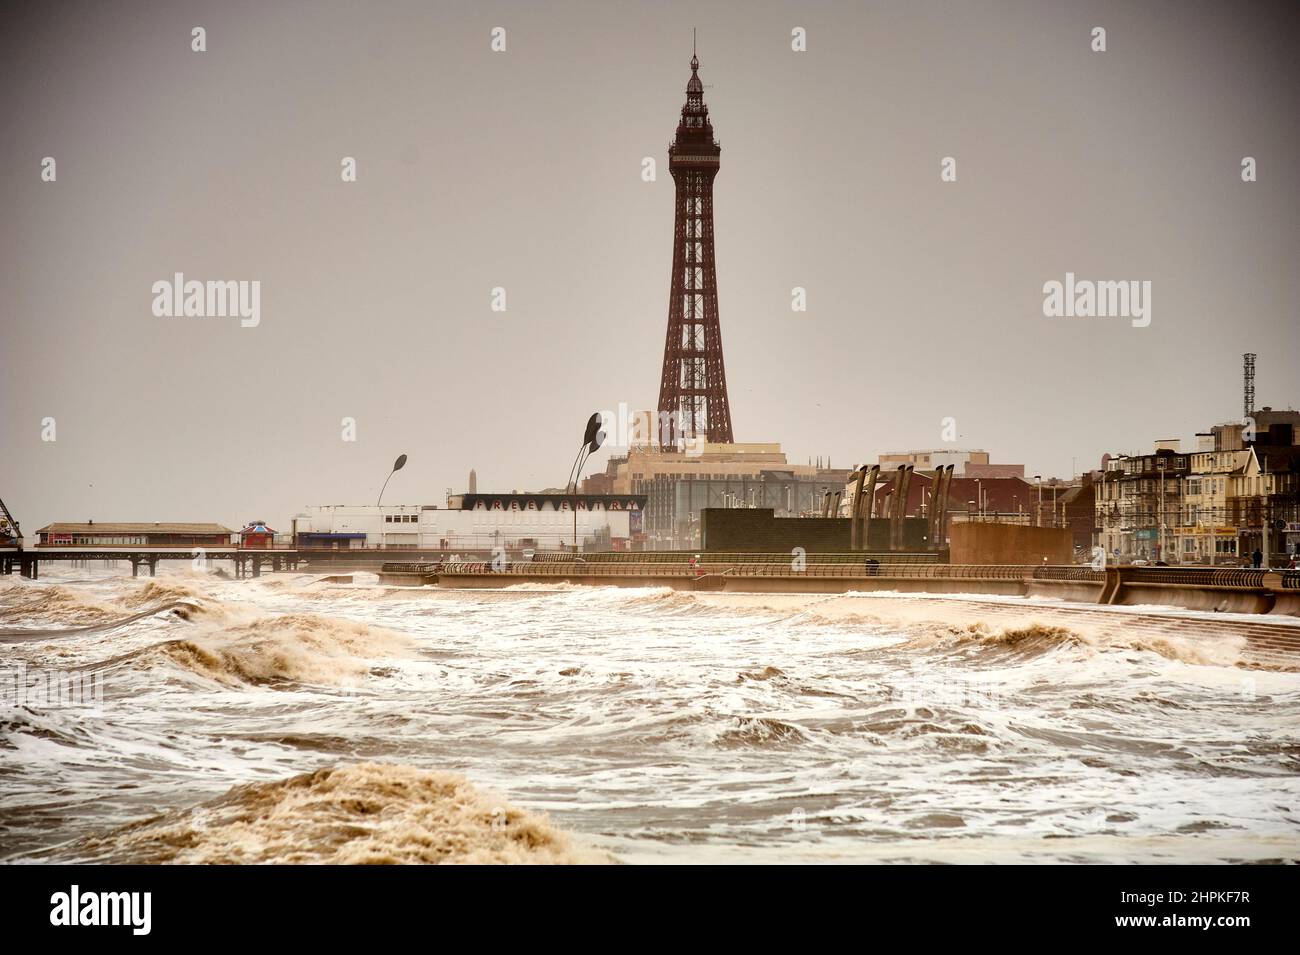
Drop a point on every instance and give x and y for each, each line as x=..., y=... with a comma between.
x=397, y=466
x=592, y=439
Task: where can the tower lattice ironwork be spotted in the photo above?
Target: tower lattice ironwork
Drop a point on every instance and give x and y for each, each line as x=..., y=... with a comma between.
x=693, y=388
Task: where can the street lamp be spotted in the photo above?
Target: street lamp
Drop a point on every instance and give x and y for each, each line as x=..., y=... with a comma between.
x=1038, y=509
x=592, y=439
x=1160, y=544
x=397, y=466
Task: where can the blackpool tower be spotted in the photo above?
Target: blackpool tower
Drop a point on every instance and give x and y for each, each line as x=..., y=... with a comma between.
x=693, y=387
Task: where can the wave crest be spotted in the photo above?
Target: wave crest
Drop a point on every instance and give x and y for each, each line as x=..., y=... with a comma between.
x=748, y=731
x=367, y=813
x=20, y=600
x=295, y=647
x=1033, y=638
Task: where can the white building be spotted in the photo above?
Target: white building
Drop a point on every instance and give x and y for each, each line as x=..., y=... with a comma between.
x=479, y=522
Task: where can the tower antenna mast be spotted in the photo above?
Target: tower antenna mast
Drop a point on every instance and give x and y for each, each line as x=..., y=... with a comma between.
x=1248, y=384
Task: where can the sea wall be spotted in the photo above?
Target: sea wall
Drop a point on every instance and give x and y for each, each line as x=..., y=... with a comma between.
x=1256, y=592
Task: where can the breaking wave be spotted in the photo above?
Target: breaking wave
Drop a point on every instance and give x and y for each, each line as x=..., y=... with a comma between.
x=759, y=731
x=72, y=613
x=154, y=592
x=763, y=675
x=368, y=813
x=295, y=647
x=21, y=600
x=1028, y=639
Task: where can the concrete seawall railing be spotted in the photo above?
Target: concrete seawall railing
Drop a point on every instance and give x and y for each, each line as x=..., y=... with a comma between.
x=1199, y=588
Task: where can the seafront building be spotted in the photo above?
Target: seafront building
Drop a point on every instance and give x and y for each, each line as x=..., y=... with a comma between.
x=478, y=522
x=965, y=464
x=1234, y=494
x=678, y=485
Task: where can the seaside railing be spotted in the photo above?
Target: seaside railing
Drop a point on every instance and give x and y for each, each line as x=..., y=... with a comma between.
x=772, y=569
x=1070, y=573
x=1196, y=576
x=1229, y=578
x=723, y=557
x=408, y=567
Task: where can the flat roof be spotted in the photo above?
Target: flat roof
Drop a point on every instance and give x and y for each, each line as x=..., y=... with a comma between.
x=94, y=527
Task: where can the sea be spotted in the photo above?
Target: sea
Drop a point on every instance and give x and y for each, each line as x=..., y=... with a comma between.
x=196, y=718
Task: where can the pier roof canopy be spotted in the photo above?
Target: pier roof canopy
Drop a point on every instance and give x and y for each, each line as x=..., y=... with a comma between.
x=93, y=527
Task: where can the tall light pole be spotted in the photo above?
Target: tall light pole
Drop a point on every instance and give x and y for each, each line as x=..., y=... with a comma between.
x=397, y=466
x=592, y=439
x=1038, y=509
x=1268, y=517
x=1160, y=468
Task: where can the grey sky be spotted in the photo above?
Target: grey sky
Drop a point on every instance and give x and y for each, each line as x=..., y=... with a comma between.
x=522, y=170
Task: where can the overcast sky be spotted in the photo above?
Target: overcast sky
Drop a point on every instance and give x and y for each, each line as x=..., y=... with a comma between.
x=522, y=170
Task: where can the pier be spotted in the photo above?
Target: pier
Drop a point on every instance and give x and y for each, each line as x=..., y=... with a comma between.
x=247, y=561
